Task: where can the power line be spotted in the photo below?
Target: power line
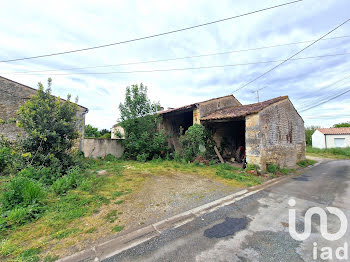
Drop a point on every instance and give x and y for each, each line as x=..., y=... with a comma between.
x=182, y=69
x=332, y=98
x=325, y=116
x=273, y=68
x=316, y=100
x=150, y=36
x=174, y=59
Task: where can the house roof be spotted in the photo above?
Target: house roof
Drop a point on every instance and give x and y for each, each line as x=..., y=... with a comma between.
x=335, y=131
x=241, y=111
x=25, y=86
x=192, y=105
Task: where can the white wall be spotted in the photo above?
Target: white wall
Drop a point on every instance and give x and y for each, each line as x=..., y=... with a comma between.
x=94, y=147
x=330, y=140
x=318, y=140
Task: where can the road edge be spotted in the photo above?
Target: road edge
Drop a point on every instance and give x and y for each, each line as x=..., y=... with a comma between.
x=121, y=243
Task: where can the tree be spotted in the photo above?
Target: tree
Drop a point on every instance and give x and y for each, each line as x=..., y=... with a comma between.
x=143, y=140
x=308, y=134
x=51, y=128
x=347, y=124
x=197, y=140
x=105, y=133
x=91, y=131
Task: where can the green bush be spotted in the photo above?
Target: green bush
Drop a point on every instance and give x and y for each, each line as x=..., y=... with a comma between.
x=11, y=158
x=45, y=175
x=51, y=129
x=110, y=158
x=284, y=171
x=106, y=136
x=306, y=162
x=23, y=200
x=142, y=157
x=197, y=140
x=23, y=192
x=67, y=182
x=5, y=158
x=272, y=168
x=252, y=167
x=18, y=216
x=140, y=121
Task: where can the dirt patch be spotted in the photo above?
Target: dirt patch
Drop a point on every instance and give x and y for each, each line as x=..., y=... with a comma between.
x=161, y=197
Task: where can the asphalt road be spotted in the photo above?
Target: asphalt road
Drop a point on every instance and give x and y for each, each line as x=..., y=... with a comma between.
x=256, y=228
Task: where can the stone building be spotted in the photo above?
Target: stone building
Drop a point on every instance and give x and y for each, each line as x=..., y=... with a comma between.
x=271, y=132
x=12, y=96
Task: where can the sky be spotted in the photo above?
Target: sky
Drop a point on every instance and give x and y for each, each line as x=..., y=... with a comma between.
x=30, y=28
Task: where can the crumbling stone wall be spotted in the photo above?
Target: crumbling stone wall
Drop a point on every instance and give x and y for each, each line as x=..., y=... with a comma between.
x=275, y=135
x=12, y=96
x=208, y=107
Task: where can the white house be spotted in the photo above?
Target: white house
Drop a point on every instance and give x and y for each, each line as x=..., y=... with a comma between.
x=115, y=129
x=331, y=137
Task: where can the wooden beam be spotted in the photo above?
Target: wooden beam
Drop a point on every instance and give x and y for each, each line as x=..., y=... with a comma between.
x=218, y=154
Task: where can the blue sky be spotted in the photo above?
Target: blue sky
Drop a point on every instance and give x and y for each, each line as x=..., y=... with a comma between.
x=30, y=28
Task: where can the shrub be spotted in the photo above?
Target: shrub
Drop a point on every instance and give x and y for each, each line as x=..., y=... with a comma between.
x=110, y=158
x=45, y=175
x=142, y=157
x=51, y=129
x=272, y=168
x=23, y=192
x=106, y=136
x=143, y=139
x=284, y=171
x=5, y=158
x=196, y=140
x=23, y=201
x=18, y=216
x=11, y=158
x=306, y=162
x=252, y=167
x=67, y=182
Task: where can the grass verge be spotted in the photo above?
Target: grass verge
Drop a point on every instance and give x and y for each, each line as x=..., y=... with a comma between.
x=91, y=211
x=338, y=153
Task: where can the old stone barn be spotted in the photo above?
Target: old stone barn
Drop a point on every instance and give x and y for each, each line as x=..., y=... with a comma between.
x=270, y=132
x=12, y=96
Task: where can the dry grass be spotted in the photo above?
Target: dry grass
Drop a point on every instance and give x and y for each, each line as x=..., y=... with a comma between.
x=80, y=218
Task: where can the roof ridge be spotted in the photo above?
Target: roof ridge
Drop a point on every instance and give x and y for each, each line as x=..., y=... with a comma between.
x=242, y=110
x=23, y=85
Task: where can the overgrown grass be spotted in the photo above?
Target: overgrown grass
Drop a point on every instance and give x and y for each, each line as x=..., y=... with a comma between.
x=75, y=207
x=306, y=162
x=339, y=153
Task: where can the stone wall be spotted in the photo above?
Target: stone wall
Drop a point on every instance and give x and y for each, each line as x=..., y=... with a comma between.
x=12, y=96
x=213, y=105
x=275, y=135
x=93, y=147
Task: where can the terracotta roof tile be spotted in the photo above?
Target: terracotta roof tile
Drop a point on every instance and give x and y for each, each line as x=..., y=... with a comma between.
x=335, y=131
x=241, y=111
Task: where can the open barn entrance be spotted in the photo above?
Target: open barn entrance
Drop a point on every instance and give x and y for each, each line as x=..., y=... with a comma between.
x=174, y=122
x=229, y=137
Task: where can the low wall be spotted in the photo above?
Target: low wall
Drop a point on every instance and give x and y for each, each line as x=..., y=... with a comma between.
x=93, y=147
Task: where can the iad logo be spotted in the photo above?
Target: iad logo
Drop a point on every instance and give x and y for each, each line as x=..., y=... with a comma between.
x=327, y=252
x=323, y=223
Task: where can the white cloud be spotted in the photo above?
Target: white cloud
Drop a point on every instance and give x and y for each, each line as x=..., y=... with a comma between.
x=39, y=27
